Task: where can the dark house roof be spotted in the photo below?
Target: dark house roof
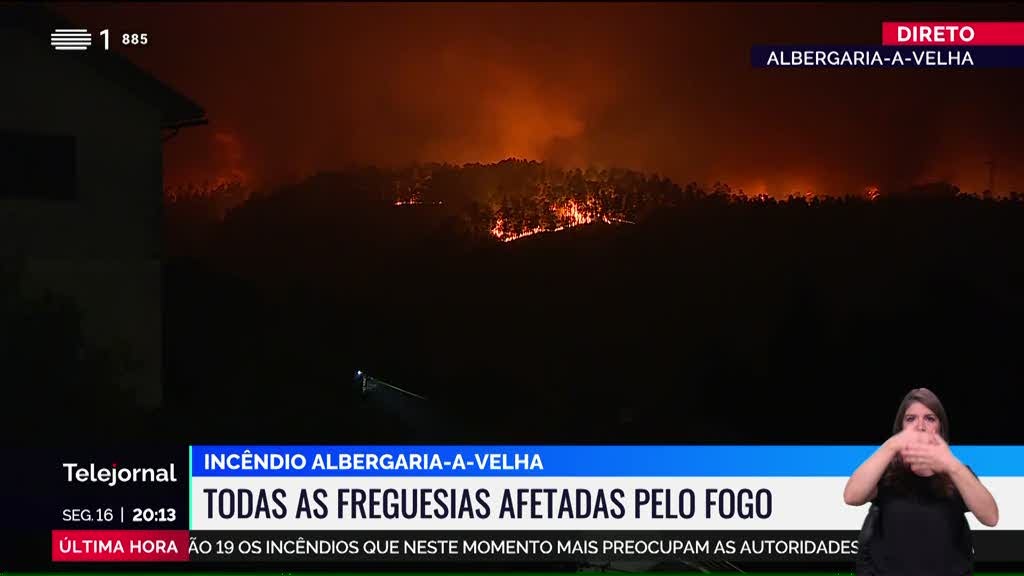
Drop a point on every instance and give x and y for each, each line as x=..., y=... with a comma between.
x=176, y=110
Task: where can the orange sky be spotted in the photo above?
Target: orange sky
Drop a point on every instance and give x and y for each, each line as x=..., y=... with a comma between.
x=666, y=88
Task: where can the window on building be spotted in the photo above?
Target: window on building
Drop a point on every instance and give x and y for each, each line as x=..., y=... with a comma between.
x=38, y=165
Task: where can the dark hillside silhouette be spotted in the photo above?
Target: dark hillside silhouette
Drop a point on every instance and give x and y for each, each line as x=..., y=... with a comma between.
x=697, y=317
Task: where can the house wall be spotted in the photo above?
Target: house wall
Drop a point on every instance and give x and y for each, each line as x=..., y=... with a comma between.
x=102, y=248
x=118, y=210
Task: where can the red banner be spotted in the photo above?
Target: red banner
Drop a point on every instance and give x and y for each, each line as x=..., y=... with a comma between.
x=953, y=33
x=120, y=546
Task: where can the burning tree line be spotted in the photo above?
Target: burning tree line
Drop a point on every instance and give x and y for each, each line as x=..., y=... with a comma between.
x=506, y=200
x=509, y=199
x=516, y=198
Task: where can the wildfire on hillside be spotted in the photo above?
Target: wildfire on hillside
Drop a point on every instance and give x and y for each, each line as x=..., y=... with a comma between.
x=566, y=215
x=416, y=203
x=514, y=198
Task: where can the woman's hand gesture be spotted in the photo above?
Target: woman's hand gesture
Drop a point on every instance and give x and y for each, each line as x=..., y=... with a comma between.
x=928, y=454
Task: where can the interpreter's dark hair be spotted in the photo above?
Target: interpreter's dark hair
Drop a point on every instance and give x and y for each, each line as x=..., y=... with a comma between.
x=899, y=475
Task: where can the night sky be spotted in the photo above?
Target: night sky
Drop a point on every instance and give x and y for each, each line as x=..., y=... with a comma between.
x=664, y=88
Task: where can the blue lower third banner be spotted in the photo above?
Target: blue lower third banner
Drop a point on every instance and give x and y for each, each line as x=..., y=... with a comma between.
x=555, y=503
x=762, y=56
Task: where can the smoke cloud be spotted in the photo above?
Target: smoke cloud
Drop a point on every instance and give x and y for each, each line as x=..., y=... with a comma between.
x=663, y=88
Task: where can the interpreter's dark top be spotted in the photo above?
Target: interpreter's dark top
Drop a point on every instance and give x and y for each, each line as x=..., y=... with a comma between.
x=917, y=531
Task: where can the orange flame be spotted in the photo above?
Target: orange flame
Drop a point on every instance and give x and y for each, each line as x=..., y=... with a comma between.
x=567, y=215
x=415, y=202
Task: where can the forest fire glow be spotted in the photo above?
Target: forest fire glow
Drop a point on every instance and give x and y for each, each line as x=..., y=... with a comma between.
x=416, y=203
x=567, y=215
